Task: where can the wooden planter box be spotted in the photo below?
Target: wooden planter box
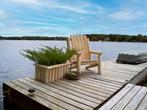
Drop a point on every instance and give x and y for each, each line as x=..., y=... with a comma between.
x=50, y=73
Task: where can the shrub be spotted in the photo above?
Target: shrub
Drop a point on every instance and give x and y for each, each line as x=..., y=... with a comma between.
x=48, y=56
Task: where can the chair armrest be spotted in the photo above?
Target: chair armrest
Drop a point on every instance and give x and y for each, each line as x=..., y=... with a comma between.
x=94, y=52
x=76, y=57
x=78, y=54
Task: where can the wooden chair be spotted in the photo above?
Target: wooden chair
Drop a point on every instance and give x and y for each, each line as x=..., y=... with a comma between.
x=81, y=43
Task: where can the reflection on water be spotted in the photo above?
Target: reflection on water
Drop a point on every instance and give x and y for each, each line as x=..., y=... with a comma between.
x=13, y=65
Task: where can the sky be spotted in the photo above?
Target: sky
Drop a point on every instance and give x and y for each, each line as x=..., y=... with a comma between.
x=65, y=17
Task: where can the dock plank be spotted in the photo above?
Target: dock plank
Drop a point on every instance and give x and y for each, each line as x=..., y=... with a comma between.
x=118, y=74
x=73, y=97
x=113, y=64
x=131, y=97
x=88, y=92
x=53, y=93
x=100, y=84
x=108, y=78
x=137, y=99
x=87, y=88
x=143, y=104
x=76, y=93
x=127, y=98
x=116, y=98
x=103, y=79
x=103, y=82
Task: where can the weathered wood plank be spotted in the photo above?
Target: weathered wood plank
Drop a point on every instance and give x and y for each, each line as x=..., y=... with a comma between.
x=93, y=75
x=143, y=104
x=126, y=99
x=88, y=92
x=108, y=78
x=124, y=79
x=87, y=88
x=76, y=93
x=99, y=84
x=123, y=67
x=137, y=99
x=113, y=64
x=81, y=103
x=103, y=79
x=103, y=82
x=118, y=74
x=117, y=97
x=121, y=71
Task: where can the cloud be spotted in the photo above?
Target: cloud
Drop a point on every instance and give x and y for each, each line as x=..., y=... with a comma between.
x=77, y=7
x=126, y=15
x=36, y=23
x=69, y=8
x=30, y=2
x=62, y=19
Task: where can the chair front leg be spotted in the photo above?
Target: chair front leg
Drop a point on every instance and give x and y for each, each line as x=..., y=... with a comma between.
x=99, y=63
x=78, y=63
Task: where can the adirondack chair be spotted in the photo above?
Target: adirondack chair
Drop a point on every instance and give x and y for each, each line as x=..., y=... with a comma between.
x=81, y=43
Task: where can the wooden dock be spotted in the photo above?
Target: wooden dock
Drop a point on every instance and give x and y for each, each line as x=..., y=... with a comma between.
x=88, y=93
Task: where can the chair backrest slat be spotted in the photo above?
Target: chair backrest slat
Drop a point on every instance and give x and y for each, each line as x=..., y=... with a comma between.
x=80, y=42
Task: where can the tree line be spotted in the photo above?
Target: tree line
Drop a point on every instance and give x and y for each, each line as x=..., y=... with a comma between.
x=117, y=37
x=92, y=37
x=32, y=38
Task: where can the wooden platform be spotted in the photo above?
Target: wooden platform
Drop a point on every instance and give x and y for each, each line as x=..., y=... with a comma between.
x=131, y=97
x=88, y=93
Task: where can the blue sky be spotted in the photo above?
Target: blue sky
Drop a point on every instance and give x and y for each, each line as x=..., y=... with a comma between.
x=65, y=17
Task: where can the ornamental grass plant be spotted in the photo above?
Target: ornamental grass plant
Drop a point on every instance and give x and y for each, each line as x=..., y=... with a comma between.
x=49, y=56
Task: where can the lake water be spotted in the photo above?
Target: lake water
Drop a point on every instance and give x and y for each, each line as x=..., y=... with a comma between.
x=13, y=65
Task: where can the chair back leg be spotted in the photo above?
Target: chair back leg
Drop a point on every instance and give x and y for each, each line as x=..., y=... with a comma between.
x=99, y=64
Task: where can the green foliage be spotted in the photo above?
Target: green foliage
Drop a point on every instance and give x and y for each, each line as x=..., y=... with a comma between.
x=49, y=56
x=117, y=37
